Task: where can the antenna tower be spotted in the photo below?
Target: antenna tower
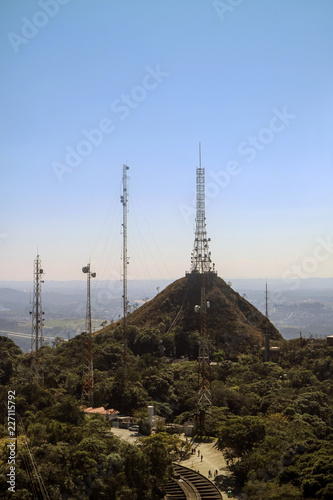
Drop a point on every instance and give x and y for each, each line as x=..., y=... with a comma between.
x=88, y=374
x=204, y=391
x=37, y=316
x=201, y=263
x=124, y=201
x=201, y=256
x=266, y=334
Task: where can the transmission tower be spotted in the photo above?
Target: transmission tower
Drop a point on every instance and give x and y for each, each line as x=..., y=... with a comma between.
x=37, y=316
x=204, y=391
x=88, y=374
x=201, y=256
x=201, y=263
x=266, y=334
x=124, y=201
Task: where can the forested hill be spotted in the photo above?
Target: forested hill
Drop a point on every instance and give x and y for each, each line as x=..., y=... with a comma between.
x=231, y=319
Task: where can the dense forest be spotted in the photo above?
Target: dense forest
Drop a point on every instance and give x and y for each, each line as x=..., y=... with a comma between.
x=273, y=420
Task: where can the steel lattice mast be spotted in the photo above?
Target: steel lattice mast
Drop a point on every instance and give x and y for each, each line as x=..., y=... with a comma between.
x=201, y=256
x=266, y=334
x=88, y=373
x=37, y=316
x=201, y=263
x=124, y=201
x=204, y=383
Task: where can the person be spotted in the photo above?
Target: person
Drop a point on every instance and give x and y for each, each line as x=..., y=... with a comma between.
x=201, y=458
x=209, y=473
x=216, y=473
x=198, y=453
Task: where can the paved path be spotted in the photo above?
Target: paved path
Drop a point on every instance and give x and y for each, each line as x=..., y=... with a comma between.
x=126, y=435
x=212, y=459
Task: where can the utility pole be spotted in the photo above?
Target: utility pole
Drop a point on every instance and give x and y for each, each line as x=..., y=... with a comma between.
x=37, y=316
x=201, y=263
x=124, y=201
x=88, y=374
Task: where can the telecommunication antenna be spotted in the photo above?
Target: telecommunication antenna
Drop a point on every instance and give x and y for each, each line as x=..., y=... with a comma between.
x=37, y=316
x=88, y=373
x=201, y=263
x=204, y=383
x=266, y=334
x=124, y=201
x=201, y=256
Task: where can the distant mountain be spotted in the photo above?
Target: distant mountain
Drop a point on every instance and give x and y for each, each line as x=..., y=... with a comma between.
x=10, y=296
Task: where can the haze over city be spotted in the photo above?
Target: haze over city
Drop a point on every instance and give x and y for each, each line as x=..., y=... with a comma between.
x=88, y=87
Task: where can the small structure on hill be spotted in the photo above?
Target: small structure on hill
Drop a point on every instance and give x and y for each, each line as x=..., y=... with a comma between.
x=107, y=414
x=274, y=353
x=124, y=422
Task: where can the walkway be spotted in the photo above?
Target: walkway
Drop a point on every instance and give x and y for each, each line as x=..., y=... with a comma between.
x=212, y=460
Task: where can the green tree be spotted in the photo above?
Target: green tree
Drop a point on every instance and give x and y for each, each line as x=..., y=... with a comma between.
x=241, y=434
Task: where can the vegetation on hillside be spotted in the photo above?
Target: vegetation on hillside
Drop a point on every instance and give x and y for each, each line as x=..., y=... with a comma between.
x=233, y=322
x=273, y=420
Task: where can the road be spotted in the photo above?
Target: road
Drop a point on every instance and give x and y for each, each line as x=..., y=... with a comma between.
x=126, y=435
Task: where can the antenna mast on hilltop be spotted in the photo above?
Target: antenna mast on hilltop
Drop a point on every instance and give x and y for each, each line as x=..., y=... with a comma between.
x=37, y=315
x=200, y=257
x=201, y=263
x=88, y=374
x=124, y=200
x=266, y=334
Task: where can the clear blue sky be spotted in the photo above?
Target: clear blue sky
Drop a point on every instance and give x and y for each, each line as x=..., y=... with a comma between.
x=252, y=82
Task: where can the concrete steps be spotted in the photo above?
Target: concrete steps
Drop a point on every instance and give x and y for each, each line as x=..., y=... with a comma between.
x=189, y=485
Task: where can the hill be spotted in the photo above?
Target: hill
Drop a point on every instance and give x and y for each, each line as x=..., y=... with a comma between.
x=231, y=319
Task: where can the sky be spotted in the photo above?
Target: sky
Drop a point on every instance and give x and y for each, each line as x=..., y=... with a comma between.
x=88, y=86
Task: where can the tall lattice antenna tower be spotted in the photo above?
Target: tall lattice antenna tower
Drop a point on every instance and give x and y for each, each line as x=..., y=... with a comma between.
x=88, y=370
x=204, y=382
x=266, y=334
x=124, y=201
x=201, y=263
x=37, y=316
x=201, y=256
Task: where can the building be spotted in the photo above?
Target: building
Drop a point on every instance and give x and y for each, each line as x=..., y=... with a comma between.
x=107, y=414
